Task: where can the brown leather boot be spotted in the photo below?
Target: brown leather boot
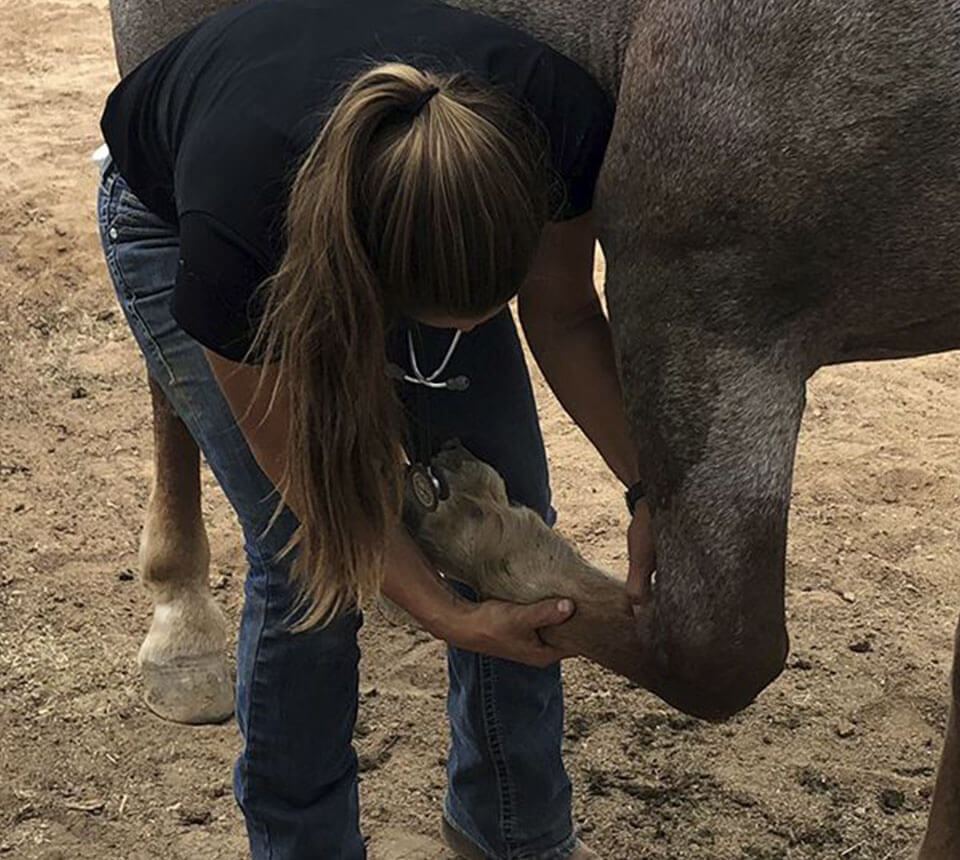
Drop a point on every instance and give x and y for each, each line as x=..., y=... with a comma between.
x=467, y=850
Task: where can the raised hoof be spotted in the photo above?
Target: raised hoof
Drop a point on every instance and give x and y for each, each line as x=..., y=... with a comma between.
x=193, y=690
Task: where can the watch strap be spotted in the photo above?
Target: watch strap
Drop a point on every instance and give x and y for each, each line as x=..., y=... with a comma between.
x=633, y=496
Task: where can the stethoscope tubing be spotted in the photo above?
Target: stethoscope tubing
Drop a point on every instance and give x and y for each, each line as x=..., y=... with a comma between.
x=455, y=383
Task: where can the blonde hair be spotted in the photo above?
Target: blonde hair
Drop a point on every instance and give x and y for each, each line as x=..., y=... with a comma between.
x=423, y=193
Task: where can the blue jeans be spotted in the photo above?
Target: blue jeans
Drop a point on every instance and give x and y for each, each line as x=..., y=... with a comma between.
x=296, y=778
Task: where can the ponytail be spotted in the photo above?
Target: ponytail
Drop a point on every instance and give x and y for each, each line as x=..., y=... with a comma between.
x=421, y=193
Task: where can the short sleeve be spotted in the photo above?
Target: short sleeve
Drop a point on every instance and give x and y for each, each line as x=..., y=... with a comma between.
x=578, y=118
x=215, y=296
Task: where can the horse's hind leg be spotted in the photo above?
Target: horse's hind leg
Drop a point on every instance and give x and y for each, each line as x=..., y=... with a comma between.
x=942, y=841
x=183, y=658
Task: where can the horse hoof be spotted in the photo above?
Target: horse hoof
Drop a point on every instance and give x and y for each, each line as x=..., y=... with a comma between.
x=189, y=689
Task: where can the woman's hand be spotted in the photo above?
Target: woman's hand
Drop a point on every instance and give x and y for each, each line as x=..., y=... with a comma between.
x=643, y=557
x=509, y=630
x=493, y=627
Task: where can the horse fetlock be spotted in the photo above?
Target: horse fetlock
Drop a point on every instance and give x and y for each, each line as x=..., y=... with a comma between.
x=173, y=557
x=183, y=661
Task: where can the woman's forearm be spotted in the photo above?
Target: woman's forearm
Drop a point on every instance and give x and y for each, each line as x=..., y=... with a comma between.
x=411, y=582
x=577, y=359
x=491, y=627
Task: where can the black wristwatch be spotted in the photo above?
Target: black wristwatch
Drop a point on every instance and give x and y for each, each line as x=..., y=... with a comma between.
x=633, y=495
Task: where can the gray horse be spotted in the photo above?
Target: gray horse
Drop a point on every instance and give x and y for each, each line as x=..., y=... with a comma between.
x=781, y=192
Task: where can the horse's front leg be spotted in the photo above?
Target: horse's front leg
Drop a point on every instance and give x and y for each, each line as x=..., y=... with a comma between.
x=942, y=840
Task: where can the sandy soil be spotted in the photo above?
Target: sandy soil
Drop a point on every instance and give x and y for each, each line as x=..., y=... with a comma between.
x=835, y=760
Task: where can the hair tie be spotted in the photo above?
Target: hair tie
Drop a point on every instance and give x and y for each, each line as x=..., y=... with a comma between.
x=412, y=108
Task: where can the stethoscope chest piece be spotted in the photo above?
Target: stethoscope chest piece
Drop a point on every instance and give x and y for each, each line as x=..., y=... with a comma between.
x=425, y=486
x=422, y=487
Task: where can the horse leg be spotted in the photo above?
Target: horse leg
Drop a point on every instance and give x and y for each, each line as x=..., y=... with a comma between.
x=183, y=657
x=942, y=840
x=507, y=552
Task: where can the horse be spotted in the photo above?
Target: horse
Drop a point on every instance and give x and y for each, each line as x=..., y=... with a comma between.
x=780, y=192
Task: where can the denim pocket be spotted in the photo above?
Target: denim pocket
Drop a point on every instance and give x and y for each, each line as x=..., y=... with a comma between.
x=130, y=218
x=142, y=253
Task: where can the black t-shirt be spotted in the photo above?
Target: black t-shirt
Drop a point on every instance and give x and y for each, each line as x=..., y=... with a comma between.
x=209, y=130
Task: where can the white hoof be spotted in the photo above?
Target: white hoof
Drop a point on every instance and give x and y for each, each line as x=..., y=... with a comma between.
x=189, y=690
x=183, y=663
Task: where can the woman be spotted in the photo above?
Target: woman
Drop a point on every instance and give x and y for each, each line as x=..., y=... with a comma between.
x=308, y=203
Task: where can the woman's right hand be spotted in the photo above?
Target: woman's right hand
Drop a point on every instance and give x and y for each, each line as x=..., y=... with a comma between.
x=509, y=630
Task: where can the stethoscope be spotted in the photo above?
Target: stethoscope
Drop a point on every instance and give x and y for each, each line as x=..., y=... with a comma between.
x=454, y=383
x=427, y=486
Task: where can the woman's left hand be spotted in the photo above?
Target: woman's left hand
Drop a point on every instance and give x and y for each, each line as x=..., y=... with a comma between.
x=643, y=558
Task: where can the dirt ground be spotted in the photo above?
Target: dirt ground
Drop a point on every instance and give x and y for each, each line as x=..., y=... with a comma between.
x=835, y=760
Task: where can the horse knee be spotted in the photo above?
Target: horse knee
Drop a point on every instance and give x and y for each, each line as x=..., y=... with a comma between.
x=716, y=680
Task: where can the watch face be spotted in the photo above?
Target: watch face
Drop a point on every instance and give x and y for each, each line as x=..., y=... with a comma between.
x=422, y=487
